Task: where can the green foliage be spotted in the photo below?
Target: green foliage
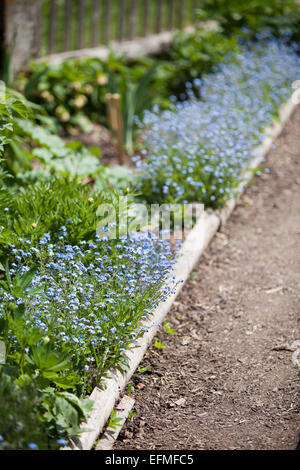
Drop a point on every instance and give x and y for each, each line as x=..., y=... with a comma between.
x=142, y=370
x=68, y=90
x=46, y=206
x=114, y=177
x=10, y=108
x=20, y=417
x=114, y=422
x=135, y=99
x=73, y=92
x=22, y=140
x=276, y=16
x=36, y=418
x=63, y=412
x=167, y=329
x=72, y=159
x=194, y=53
x=36, y=407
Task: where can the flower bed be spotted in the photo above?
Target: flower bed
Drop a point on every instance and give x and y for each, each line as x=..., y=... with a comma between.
x=73, y=316
x=197, y=150
x=71, y=305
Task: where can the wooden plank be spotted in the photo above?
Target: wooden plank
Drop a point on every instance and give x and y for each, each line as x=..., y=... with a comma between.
x=172, y=14
x=181, y=13
x=107, y=21
x=196, y=6
x=95, y=23
x=52, y=27
x=132, y=19
x=121, y=20
x=81, y=23
x=145, y=17
x=38, y=29
x=67, y=25
x=116, y=122
x=159, y=5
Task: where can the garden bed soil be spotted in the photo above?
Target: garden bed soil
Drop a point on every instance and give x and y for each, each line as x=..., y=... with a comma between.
x=102, y=138
x=226, y=380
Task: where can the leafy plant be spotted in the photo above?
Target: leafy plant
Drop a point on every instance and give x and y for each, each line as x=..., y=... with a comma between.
x=135, y=98
x=114, y=422
x=210, y=141
x=167, y=329
x=276, y=17
x=47, y=206
x=192, y=54
x=21, y=426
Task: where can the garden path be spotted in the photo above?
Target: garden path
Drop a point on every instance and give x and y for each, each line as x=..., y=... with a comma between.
x=226, y=380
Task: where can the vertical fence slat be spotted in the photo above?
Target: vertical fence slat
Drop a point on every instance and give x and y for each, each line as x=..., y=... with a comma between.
x=172, y=14
x=52, y=26
x=196, y=5
x=145, y=22
x=121, y=19
x=132, y=19
x=181, y=13
x=38, y=29
x=107, y=19
x=81, y=23
x=67, y=25
x=158, y=16
x=95, y=23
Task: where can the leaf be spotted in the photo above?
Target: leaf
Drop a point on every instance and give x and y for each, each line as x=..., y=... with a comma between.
x=159, y=345
x=168, y=330
x=144, y=369
x=45, y=359
x=33, y=82
x=114, y=422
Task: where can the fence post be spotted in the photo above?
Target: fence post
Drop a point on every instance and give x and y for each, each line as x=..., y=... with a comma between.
x=21, y=29
x=116, y=122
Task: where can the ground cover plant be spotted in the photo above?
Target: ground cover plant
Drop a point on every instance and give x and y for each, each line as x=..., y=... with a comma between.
x=197, y=150
x=277, y=17
x=72, y=302
x=73, y=92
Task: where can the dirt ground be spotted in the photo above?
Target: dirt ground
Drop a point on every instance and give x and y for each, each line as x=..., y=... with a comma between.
x=226, y=380
x=102, y=138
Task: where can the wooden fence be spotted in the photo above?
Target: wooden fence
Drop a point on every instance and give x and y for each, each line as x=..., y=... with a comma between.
x=67, y=25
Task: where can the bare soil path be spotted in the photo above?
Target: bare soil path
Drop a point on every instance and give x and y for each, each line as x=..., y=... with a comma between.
x=226, y=379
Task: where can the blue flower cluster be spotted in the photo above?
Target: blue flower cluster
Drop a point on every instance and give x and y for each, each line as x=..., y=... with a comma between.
x=92, y=296
x=196, y=150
